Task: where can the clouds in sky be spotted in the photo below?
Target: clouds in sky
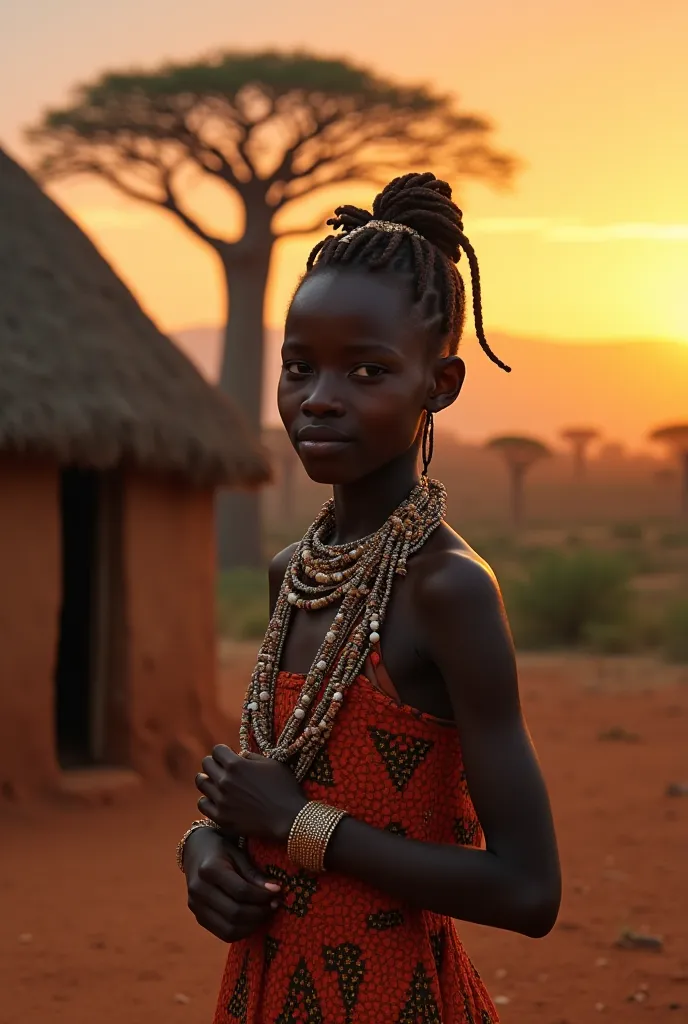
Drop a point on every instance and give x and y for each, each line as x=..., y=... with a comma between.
x=546, y=228
x=559, y=230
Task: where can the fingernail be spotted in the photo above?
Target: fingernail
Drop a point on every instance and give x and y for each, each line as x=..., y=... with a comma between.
x=275, y=904
x=273, y=886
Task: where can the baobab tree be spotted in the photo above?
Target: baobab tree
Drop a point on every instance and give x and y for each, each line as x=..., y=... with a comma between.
x=519, y=455
x=675, y=438
x=580, y=439
x=276, y=130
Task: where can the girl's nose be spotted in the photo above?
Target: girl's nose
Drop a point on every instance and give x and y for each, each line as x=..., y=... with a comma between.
x=323, y=401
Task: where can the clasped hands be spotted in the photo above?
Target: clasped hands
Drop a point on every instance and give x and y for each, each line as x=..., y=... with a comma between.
x=249, y=795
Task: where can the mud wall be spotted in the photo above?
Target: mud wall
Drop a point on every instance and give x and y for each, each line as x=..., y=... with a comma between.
x=30, y=594
x=170, y=627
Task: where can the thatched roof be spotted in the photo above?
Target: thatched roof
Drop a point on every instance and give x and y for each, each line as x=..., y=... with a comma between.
x=85, y=376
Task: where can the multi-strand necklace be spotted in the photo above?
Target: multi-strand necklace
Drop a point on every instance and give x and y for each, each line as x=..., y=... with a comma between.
x=355, y=578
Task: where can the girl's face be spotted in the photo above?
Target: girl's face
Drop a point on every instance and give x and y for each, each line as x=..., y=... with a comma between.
x=357, y=373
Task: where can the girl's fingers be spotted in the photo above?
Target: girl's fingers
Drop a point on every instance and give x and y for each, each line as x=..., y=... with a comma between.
x=210, y=809
x=206, y=786
x=224, y=756
x=212, y=769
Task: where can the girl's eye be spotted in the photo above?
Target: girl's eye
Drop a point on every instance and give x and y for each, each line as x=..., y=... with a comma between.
x=368, y=371
x=297, y=369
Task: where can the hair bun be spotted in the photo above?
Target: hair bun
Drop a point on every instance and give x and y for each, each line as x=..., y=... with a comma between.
x=424, y=203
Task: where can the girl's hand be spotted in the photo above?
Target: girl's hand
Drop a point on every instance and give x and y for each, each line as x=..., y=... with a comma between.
x=249, y=795
x=227, y=894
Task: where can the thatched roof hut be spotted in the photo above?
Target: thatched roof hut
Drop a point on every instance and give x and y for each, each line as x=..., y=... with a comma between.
x=85, y=376
x=111, y=446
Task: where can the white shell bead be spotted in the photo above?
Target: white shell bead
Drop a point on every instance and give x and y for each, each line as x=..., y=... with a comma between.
x=338, y=577
x=339, y=617
x=374, y=638
x=265, y=695
x=305, y=699
x=353, y=552
x=338, y=695
x=253, y=706
x=292, y=598
x=374, y=624
x=321, y=666
x=322, y=726
x=299, y=713
x=330, y=635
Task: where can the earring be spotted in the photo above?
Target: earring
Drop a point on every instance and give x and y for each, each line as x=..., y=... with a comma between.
x=428, y=440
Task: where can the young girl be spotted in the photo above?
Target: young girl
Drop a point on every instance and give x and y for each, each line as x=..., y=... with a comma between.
x=382, y=734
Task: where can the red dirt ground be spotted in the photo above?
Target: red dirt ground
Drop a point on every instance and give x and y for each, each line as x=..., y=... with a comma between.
x=94, y=927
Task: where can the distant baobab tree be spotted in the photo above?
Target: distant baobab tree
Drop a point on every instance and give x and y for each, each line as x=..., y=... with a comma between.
x=519, y=455
x=274, y=130
x=675, y=437
x=580, y=439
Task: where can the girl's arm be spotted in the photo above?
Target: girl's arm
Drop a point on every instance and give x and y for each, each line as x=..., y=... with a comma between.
x=515, y=883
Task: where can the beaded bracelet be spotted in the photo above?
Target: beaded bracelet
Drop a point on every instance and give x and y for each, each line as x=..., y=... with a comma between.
x=194, y=827
x=310, y=834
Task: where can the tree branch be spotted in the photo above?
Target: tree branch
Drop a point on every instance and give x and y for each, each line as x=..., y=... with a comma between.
x=306, y=229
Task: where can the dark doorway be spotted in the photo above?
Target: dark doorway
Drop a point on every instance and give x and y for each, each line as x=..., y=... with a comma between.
x=74, y=691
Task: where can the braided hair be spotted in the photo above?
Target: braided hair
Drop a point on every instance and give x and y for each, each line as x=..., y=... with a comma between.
x=414, y=227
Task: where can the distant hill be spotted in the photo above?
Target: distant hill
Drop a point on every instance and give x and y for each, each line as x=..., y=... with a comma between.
x=623, y=387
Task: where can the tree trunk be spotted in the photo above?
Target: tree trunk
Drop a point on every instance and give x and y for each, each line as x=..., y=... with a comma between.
x=246, y=265
x=518, y=473
x=580, y=460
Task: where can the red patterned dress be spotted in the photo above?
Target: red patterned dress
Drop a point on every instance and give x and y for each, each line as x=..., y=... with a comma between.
x=339, y=951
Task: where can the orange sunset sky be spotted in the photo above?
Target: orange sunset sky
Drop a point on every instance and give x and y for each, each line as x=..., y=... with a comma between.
x=590, y=245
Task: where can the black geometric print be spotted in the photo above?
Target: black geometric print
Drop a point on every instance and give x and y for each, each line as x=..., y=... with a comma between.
x=476, y=975
x=321, y=769
x=238, y=1004
x=401, y=754
x=437, y=941
x=420, y=1004
x=385, y=919
x=466, y=831
x=396, y=828
x=302, y=1005
x=271, y=947
x=297, y=890
x=345, y=959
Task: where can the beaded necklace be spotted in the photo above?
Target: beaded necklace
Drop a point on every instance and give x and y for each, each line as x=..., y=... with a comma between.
x=358, y=577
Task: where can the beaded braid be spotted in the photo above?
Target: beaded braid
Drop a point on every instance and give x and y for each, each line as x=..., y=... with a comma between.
x=428, y=233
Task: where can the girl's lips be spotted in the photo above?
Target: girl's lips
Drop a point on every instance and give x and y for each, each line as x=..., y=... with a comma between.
x=323, y=447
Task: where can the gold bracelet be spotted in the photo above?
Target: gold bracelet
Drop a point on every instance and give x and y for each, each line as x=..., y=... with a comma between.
x=194, y=827
x=310, y=834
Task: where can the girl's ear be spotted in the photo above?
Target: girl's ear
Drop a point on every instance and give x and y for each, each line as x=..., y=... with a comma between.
x=449, y=375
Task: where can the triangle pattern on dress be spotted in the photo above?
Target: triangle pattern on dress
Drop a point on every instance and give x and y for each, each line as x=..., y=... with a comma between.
x=345, y=959
x=237, y=1006
x=298, y=890
x=271, y=948
x=420, y=1005
x=401, y=754
x=437, y=941
x=396, y=828
x=302, y=1005
x=383, y=920
x=321, y=769
x=466, y=830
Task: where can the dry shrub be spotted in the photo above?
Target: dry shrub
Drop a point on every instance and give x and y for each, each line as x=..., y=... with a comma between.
x=571, y=599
